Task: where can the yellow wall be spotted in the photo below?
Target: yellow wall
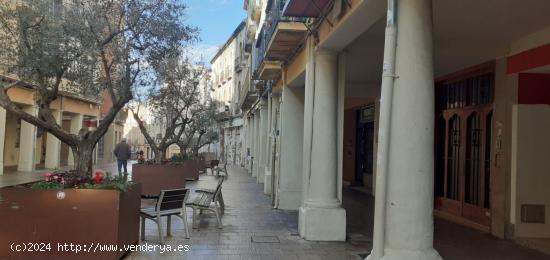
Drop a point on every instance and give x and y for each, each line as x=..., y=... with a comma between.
x=80, y=107
x=26, y=96
x=297, y=66
x=22, y=96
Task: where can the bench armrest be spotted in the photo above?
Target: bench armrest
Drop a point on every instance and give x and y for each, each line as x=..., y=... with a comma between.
x=205, y=190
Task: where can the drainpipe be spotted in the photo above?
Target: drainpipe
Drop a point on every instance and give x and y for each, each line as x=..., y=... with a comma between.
x=388, y=79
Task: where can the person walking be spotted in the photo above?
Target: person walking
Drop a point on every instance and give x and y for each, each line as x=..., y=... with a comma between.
x=122, y=152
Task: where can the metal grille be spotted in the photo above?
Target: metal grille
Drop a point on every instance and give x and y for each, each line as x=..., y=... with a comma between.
x=453, y=159
x=473, y=160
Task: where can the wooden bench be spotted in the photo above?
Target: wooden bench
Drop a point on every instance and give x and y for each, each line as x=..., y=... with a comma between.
x=212, y=191
x=207, y=201
x=170, y=203
x=212, y=165
x=222, y=169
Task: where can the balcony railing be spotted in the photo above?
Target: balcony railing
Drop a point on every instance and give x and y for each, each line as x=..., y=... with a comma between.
x=273, y=17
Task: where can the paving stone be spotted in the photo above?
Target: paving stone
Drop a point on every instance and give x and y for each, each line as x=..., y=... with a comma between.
x=249, y=213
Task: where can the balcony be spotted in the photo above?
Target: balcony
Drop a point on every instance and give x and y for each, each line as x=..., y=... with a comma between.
x=305, y=8
x=278, y=41
x=248, y=94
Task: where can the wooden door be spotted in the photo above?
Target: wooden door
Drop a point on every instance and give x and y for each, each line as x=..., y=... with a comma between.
x=463, y=142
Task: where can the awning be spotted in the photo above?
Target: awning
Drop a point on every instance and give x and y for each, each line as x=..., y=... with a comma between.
x=305, y=8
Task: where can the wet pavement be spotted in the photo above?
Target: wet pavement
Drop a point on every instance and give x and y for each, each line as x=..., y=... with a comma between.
x=252, y=229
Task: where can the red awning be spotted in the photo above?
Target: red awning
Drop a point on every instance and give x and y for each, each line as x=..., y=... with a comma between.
x=305, y=8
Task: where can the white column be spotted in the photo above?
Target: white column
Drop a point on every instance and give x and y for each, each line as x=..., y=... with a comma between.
x=246, y=137
x=269, y=141
x=53, y=145
x=256, y=154
x=257, y=121
x=251, y=143
x=289, y=179
x=76, y=125
x=321, y=205
x=262, y=141
x=27, y=143
x=2, y=138
x=408, y=226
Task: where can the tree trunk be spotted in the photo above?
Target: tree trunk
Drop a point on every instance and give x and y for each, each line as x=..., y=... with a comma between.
x=183, y=149
x=83, y=159
x=160, y=155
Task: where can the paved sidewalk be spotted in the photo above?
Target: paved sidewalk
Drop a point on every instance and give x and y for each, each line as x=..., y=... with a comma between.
x=249, y=216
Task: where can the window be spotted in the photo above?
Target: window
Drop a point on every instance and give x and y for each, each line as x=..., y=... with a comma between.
x=472, y=91
x=101, y=148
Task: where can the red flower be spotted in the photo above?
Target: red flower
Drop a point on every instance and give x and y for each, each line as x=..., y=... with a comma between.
x=98, y=178
x=48, y=176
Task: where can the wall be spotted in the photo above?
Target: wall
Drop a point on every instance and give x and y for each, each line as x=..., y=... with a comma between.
x=505, y=96
x=40, y=142
x=534, y=88
x=531, y=152
x=11, y=153
x=64, y=153
x=109, y=145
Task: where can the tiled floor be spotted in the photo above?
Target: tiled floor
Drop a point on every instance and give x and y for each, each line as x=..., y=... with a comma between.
x=254, y=230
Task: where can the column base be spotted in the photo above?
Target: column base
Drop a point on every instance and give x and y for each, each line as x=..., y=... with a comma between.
x=260, y=174
x=267, y=183
x=394, y=254
x=322, y=224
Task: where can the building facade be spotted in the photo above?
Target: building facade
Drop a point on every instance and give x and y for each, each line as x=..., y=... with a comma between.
x=106, y=145
x=431, y=112
x=228, y=74
x=26, y=147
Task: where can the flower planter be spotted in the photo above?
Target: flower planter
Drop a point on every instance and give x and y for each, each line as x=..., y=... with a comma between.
x=46, y=220
x=157, y=177
x=202, y=165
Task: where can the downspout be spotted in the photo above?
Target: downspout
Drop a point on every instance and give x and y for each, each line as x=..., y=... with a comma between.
x=388, y=79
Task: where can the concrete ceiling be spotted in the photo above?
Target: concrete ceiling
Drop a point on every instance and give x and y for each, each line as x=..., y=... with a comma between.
x=466, y=33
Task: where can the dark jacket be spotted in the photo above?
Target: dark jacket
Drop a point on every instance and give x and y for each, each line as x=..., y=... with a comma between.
x=123, y=151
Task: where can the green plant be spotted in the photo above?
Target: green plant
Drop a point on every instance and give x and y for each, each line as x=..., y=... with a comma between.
x=64, y=179
x=47, y=185
x=179, y=158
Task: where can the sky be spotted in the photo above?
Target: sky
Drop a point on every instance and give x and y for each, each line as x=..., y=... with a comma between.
x=217, y=19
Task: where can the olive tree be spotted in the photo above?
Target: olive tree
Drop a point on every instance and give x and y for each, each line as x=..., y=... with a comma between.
x=202, y=130
x=86, y=47
x=171, y=101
